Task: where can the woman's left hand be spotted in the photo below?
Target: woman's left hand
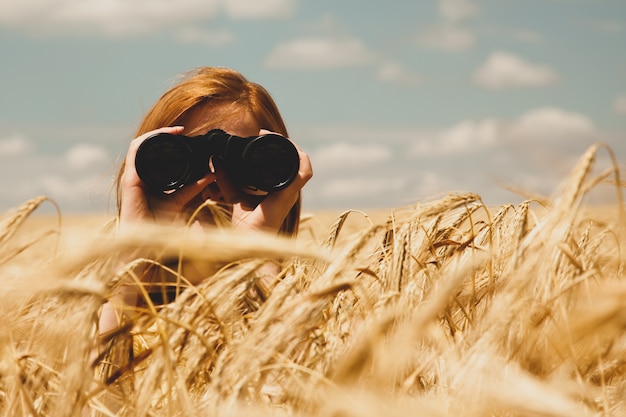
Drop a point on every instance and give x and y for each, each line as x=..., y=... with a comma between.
x=272, y=211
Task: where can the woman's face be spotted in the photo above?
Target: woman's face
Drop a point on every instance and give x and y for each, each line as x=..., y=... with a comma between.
x=241, y=124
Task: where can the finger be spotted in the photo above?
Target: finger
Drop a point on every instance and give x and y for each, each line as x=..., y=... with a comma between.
x=184, y=195
x=229, y=190
x=272, y=211
x=305, y=172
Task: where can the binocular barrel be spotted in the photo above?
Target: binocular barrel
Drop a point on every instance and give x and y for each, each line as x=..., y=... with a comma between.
x=265, y=163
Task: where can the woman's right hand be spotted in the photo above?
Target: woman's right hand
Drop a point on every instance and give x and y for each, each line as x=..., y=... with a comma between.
x=139, y=203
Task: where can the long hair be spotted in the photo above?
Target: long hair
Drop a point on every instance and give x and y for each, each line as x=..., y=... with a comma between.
x=226, y=88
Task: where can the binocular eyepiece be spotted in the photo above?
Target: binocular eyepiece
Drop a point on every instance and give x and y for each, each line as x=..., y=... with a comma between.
x=265, y=163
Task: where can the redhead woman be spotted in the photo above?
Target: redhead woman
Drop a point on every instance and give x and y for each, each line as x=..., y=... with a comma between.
x=206, y=99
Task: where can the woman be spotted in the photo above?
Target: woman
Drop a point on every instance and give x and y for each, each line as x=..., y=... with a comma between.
x=207, y=98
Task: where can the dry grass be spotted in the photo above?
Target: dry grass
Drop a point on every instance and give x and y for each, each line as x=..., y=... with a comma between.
x=444, y=308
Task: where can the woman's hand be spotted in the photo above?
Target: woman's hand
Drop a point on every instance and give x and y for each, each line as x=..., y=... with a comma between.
x=272, y=211
x=139, y=204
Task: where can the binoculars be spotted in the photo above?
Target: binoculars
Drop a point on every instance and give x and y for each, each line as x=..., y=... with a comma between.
x=256, y=164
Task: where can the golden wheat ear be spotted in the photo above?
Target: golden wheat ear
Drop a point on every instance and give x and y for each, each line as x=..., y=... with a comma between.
x=14, y=218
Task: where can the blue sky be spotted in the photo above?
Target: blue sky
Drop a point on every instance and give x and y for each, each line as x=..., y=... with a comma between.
x=396, y=101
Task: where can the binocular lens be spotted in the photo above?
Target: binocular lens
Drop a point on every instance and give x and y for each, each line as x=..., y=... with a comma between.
x=164, y=162
x=270, y=161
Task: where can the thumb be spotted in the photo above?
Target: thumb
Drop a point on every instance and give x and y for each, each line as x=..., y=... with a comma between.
x=184, y=195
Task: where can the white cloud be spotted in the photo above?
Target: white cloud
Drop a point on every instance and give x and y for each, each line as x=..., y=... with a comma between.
x=57, y=187
x=456, y=10
x=448, y=34
x=619, y=105
x=550, y=124
x=396, y=73
x=106, y=17
x=534, y=150
x=51, y=175
x=69, y=191
x=466, y=136
x=429, y=184
x=136, y=17
x=14, y=146
x=548, y=128
x=469, y=135
x=505, y=70
x=319, y=53
x=85, y=155
x=447, y=37
x=347, y=155
x=255, y=9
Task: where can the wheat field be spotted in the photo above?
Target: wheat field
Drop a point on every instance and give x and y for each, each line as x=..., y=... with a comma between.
x=445, y=307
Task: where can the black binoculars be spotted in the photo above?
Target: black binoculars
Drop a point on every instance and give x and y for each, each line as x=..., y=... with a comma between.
x=256, y=164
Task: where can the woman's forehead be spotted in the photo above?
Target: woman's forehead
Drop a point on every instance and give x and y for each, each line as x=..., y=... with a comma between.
x=235, y=121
